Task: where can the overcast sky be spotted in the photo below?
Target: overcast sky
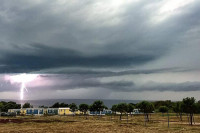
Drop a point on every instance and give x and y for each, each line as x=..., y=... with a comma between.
x=108, y=49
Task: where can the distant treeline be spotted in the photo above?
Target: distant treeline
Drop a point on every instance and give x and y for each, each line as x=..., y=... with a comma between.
x=188, y=106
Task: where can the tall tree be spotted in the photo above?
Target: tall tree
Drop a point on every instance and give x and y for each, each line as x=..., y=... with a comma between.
x=130, y=107
x=190, y=107
x=178, y=109
x=98, y=106
x=163, y=109
x=122, y=108
x=114, y=108
x=146, y=108
x=73, y=107
x=84, y=108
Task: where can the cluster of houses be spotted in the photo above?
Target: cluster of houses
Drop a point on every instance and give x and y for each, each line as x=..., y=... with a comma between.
x=54, y=111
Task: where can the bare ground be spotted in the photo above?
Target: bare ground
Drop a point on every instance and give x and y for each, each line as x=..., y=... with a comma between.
x=65, y=124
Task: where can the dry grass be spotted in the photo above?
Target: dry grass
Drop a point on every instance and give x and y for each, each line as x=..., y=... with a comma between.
x=95, y=124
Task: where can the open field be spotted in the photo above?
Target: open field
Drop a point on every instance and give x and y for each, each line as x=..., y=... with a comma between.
x=41, y=124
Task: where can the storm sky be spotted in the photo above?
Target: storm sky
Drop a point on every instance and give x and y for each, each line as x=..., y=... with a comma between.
x=101, y=49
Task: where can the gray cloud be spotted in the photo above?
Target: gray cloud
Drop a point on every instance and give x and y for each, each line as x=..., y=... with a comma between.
x=48, y=57
x=65, y=41
x=124, y=86
x=87, y=73
x=81, y=42
x=185, y=86
x=66, y=82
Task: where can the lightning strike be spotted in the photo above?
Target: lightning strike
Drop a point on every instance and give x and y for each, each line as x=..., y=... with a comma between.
x=23, y=79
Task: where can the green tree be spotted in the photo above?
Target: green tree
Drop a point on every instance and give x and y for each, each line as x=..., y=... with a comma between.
x=167, y=103
x=146, y=108
x=84, y=108
x=178, y=109
x=114, y=108
x=97, y=106
x=122, y=108
x=163, y=109
x=130, y=107
x=73, y=107
x=27, y=105
x=55, y=105
x=63, y=105
x=190, y=107
x=4, y=106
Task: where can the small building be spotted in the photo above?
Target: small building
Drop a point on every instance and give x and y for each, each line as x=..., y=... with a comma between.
x=104, y=112
x=16, y=111
x=64, y=111
x=136, y=111
x=107, y=112
x=34, y=111
x=52, y=111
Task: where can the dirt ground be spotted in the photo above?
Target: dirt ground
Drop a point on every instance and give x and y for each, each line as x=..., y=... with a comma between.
x=95, y=124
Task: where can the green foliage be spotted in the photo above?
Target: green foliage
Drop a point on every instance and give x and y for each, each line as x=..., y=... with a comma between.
x=189, y=105
x=145, y=107
x=73, y=107
x=97, y=106
x=84, y=107
x=130, y=108
x=163, y=109
x=58, y=105
x=178, y=107
x=27, y=105
x=122, y=107
x=4, y=106
x=198, y=107
x=167, y=103
x=63, y=105
x=114, y=108
x=1, y=105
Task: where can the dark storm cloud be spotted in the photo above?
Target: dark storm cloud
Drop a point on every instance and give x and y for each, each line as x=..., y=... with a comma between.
x=127, y=86
x=81, y=42
x=87, y=73
x=60, y=83
x=116, y=86
x=68, y=38
x=65, y=82
x=47, y=57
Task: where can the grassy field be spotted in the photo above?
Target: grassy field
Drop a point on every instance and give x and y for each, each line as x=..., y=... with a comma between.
x=95, y=124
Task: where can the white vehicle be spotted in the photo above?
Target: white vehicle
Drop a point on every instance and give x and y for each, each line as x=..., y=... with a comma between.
x=136, y=111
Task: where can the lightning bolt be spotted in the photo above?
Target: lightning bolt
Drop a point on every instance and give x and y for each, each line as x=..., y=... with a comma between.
x=22, y=90
x=21, y=78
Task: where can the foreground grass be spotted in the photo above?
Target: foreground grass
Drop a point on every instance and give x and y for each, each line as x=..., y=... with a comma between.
x=94, y=124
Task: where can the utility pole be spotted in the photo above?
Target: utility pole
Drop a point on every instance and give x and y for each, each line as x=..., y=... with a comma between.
x=168, y=118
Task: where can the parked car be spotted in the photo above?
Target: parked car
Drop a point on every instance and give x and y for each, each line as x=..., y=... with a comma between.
x=4, y=114
x=8, y=114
